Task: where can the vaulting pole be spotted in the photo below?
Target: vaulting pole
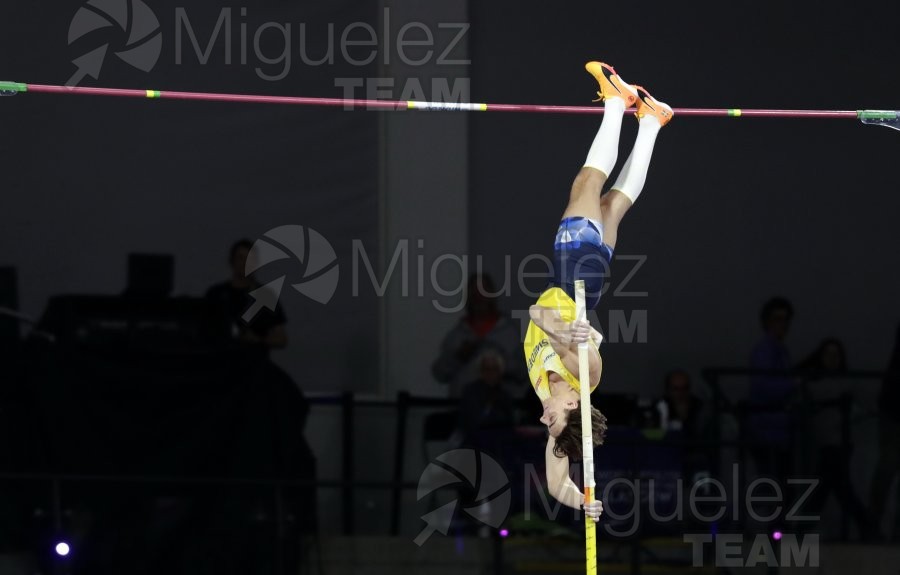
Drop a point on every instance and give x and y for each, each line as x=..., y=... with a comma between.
x=587, y=441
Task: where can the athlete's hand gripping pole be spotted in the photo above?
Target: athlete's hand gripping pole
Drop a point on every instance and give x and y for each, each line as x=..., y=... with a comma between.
x=587, y=442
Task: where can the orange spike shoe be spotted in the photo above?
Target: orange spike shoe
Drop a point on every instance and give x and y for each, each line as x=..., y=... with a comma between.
x=647, y=105
x=611, y=84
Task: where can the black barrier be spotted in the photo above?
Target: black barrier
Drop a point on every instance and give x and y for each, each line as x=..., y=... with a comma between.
x=404, y=404
x=802, y=405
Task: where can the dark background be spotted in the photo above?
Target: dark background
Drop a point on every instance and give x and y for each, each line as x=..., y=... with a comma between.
x=95, y=179
x=734, y=211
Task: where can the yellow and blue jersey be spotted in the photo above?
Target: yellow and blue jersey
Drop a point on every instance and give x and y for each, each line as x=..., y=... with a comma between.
x=540, y=357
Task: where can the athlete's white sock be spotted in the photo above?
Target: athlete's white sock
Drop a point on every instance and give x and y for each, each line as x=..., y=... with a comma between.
x=605, y=149
x=634, y=173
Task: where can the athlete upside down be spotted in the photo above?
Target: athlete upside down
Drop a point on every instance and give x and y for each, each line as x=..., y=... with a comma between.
x=583, y=250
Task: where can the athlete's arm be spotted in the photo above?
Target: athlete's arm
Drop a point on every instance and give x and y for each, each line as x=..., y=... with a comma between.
x=560, y=331
x=561, y=486
x=565, y=337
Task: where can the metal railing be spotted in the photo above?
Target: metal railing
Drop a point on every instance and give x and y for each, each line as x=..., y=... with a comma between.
x=802, y=405
x=348, y=484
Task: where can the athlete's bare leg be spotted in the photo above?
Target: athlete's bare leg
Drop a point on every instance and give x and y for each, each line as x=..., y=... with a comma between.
x=584, y=197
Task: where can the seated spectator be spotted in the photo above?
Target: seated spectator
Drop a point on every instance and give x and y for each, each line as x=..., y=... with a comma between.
x=828, y=360
x=681, y=409
x=231, y=299
x=484, y=403
x=827, y=393
x=483, y=327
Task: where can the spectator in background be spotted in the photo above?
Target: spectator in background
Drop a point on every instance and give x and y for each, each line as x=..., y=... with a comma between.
x=483, y=327
x=485, y=422
x=484, y=403
x=682, y=411
x=679, y=408
x=231, y=299
x=768, y=423
x=828, y=360
x=889, y=443
x=826, y=395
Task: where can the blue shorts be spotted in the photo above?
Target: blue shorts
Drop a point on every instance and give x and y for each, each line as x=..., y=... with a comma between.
x=579, y=253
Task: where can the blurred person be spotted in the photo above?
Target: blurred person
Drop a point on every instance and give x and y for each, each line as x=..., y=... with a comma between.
x=483, y=327
x=231, y=299
x=888, y=464
x=486, y=423
x=265, y=331
x=826, y=392
x=484, y=403
x=769, y=424
x=583, y=249
x=827, y=360
x=683, y=410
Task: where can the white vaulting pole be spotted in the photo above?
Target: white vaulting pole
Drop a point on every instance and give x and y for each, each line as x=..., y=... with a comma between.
x=587, y=442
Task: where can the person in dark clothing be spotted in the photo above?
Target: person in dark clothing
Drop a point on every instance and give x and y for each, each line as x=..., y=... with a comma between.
x=826, y=393
x=483, y=327
x=231, y=300
x=684, y=409
x=828, y=359
x=484, y=403
x=769, y=425
x=684, y=414
x=888, y=464
x=272, y=435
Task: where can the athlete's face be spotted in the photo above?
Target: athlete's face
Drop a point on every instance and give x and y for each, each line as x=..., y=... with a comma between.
x=556, y=414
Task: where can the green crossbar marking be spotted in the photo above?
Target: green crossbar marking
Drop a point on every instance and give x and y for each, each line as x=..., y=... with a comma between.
x=13, y=87
x=877, y=114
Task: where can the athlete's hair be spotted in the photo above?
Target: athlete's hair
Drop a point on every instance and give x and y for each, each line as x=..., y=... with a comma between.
x=569, y=441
